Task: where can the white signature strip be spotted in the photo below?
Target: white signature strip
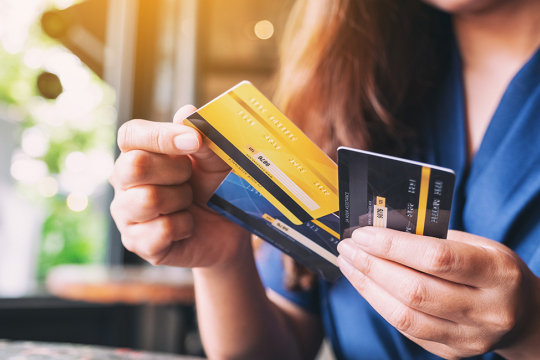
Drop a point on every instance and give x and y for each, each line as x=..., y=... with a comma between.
x=306, y=242
x=287, y=182
x=380, y=221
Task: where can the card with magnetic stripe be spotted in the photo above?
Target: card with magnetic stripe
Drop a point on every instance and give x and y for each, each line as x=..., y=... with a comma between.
x=313, y=243
x=264, y=147
x=249, y=170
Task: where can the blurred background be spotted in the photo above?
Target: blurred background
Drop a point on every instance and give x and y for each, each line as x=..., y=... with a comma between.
x=71, y=72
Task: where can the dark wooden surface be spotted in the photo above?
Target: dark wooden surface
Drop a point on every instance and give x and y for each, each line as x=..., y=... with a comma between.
x=134, y=285
x=43, y=351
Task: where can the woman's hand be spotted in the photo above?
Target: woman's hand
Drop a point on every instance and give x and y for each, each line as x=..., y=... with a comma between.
x=459, y=297
x=163, y=180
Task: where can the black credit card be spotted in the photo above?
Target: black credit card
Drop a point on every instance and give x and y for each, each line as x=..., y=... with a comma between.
x=385, y=191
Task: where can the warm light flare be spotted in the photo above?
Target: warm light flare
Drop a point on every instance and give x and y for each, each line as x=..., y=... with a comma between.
x=264, y=29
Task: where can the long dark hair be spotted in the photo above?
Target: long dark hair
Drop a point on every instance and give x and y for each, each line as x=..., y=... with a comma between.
x=357, y=73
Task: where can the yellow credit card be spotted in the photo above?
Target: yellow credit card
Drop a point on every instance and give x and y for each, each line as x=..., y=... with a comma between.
x=266, y=149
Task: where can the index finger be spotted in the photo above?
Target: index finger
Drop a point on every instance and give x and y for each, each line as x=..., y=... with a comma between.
x=454, y=261
x=160, y=138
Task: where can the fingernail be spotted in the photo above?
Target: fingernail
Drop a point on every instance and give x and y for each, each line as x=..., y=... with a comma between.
x=347, y=249
x=345, y=266
x=186, y=142
x=363, y=236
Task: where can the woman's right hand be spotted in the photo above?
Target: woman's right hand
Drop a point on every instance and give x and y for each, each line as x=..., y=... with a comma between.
x=162, y=181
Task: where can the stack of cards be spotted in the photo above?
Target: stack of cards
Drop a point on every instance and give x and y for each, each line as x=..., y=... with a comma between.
x=284, y=189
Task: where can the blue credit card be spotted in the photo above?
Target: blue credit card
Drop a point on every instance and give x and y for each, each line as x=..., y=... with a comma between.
x=313, y=244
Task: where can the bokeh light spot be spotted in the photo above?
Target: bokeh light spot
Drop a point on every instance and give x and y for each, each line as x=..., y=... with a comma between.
x=77, y=202
x=107, y=115
x=76, y=162
x=48, y=187
x=20, y=91
x=28, y=171
x=35, y=141
x=100, y=165
x=264, y=29
x=34, y=58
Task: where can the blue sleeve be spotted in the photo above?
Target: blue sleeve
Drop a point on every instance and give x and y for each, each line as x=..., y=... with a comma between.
x=270, y=266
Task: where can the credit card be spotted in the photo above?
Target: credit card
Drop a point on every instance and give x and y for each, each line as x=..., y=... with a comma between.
x=313, y=244
x=271, y=153
x=385, y=191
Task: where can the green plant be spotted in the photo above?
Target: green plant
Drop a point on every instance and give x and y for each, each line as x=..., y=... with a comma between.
x=67, y=144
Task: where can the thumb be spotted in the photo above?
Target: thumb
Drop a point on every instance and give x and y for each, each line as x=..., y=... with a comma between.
x=209, y=170
x=183, y=113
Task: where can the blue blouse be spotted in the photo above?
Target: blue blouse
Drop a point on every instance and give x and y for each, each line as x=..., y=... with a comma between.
x=497, y=196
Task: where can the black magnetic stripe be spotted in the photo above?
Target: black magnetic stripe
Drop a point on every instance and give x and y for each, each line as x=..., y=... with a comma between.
x=228, y=148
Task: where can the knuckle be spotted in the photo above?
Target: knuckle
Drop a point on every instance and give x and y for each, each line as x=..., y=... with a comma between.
x=413, y=293
x=499, y=318
x=480, y=347
x=184, y=163
x=112, y=179
x=154, y=261
x=507, y=321
x=123, y=134
x=138, y=158
x=120, y=224
x=441, y=258
x=188, y=194
x=452, y=357
x=359, y=280
x=188, y=222
x=387, y=244
x=158, y=139
x=152, y=253
x=148, y=197
x=117, y=214
x=113, y=210
x=512, y=273
x=165, y=228
x=128, y=244
x=402, y=319
x=126, y=134
x=503, y=317
x=158, y=258
x=136, y=169
x=452, y=354
x=364, y=262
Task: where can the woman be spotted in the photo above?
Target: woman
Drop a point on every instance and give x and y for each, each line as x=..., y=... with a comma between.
x=455, y=83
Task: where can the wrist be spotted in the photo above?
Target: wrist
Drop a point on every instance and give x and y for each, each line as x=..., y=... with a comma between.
x=243, y=256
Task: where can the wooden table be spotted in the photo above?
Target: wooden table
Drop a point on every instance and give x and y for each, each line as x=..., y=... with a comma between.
x=122, y=284
x=165, y=295
x=43, y=351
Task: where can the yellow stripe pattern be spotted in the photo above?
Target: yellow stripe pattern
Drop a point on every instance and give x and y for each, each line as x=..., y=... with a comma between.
x=326, y=228
x=422, y=203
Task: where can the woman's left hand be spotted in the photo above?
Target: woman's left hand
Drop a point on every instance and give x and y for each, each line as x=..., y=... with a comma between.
x=459, y=297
